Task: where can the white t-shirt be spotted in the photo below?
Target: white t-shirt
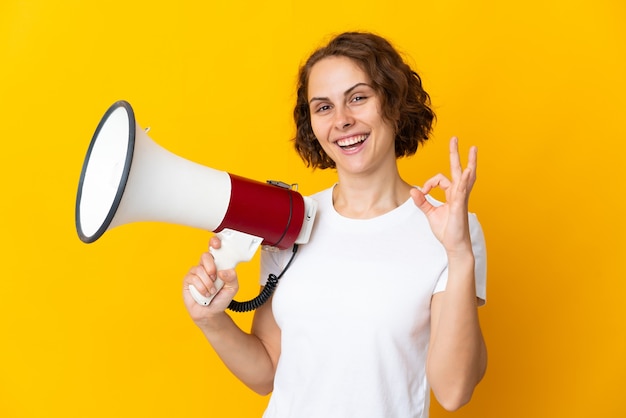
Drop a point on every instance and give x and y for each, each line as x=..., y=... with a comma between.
x=354, y=314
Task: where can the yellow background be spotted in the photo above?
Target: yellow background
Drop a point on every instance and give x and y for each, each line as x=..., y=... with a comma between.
x=100, y=330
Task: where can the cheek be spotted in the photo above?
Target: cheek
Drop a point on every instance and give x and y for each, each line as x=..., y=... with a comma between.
x=318, y=128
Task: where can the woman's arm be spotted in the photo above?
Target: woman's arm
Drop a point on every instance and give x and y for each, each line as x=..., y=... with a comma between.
x=457, y=356
x=251, y=357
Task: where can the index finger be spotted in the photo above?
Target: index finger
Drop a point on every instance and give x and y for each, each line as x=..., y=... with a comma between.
x=215, y=242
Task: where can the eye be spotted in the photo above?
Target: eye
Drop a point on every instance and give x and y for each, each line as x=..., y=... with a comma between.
x=358, y=98
x=322, y=108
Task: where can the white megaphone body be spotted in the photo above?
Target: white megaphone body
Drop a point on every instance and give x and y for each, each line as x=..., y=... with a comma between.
x=127, y=177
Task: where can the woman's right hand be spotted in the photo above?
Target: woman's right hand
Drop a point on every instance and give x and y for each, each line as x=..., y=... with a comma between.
x=202, y=276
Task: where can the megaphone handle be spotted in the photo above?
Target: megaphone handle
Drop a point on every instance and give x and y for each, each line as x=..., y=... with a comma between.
x=236, y=247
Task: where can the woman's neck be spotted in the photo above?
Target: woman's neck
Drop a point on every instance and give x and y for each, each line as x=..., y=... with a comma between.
x=367, y=197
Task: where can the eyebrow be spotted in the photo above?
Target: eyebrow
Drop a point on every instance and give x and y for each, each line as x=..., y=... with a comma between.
x=345, y=93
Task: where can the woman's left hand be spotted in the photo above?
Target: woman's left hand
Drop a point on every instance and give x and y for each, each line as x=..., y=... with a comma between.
x=449, y=221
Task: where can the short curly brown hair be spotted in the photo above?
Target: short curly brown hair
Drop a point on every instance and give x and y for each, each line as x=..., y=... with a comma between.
x=404, y=103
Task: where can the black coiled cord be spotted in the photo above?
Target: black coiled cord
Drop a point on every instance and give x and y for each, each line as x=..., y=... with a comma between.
x=266, y=293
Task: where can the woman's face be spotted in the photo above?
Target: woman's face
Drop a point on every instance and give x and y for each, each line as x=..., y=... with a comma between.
x=346, y=117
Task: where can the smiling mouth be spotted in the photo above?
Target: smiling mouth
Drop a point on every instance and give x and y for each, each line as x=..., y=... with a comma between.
x=351, y=142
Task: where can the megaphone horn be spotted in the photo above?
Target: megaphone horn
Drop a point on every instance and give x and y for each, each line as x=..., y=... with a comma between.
x=127, y=177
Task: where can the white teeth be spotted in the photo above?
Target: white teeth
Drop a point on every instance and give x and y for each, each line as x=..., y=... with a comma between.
x=351, y=141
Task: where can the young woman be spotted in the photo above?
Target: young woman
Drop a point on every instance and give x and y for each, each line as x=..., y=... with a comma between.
x=380, y=306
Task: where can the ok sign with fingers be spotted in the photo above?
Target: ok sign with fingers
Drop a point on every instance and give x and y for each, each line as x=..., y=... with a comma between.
x=449, y=221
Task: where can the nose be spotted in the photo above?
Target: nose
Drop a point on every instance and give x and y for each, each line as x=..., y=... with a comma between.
x=343, y=118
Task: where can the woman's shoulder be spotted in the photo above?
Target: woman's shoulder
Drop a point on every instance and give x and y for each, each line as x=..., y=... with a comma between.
x=323, y=197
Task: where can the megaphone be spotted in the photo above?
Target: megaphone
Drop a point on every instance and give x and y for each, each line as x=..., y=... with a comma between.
x=126, y=177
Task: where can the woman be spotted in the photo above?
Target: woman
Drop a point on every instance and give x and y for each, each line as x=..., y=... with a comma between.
x=380, y=306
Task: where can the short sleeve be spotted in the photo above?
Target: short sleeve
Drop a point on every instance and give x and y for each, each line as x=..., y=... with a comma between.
x=480, y=261
x=273, y=261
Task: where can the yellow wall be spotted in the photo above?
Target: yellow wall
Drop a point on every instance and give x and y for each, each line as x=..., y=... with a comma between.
x=100, y=330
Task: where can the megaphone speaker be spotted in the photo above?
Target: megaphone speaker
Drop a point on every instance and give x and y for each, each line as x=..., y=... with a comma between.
x=126, y=177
